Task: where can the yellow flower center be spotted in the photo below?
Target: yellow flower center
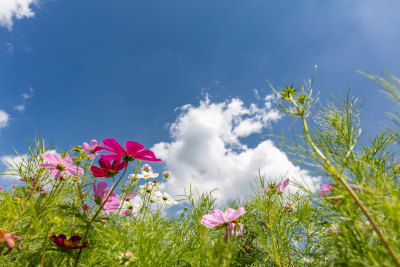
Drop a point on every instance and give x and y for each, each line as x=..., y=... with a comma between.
x=68, y=243
x=147, y=175
x=60, y=167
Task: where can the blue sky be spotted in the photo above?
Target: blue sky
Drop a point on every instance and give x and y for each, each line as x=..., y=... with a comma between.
x=77, y=70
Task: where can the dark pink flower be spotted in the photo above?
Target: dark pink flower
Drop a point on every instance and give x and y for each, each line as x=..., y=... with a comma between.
x=134, y=150
x=107, y=169
x=220, y=218
x=1, y=188
x=9, y=239
x=100, y=194
x=93, y=149
x=58, y=166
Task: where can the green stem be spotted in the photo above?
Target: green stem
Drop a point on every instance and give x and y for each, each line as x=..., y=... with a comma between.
x=97, y=213
x=272, y=233
x=43, y=251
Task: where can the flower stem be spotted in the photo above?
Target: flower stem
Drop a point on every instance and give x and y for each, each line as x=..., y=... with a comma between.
x=272, y=233
x=95, y=216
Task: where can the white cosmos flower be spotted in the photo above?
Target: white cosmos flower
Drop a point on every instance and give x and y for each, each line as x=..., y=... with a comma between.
x=165, y=199
x=129, y=206
x=144, y=175
x=149, y=188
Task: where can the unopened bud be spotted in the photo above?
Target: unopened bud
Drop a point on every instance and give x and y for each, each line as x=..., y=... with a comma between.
x=103, y=222
x=17, y=199
x=247, y=249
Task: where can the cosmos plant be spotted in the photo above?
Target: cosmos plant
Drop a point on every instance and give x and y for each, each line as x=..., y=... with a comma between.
x=103, y=204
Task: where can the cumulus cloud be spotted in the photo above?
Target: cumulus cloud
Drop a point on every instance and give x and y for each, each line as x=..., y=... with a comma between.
x=11, y=163
x=4, y=117
x=207, y=150
x=15, y=9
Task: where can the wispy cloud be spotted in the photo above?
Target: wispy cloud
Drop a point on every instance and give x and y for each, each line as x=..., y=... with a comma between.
x=206, y=150
x=28, y=95
x=10, y=48
x=15, y=9
x=4, y=117
x=25, y=96
x=20, y=108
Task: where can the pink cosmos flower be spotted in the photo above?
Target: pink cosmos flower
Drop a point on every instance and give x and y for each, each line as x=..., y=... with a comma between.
x=9, y=239
x=93, y=149
x=219, y=218
x=234, y=229
x=277, y=188
x=325, y=189
x=57, y=166
x=100, y=194
x=1, y=188
x=106, y=169
x=134, y=150
x=334, y=229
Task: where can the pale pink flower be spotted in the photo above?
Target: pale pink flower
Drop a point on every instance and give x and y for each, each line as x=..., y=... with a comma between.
x=58, y=166
x=277, y=188
x=334, y=229
x=14, y=186
x=234, y=229
x=100, y=194
x=93, y=149
x=9, y=239
x=147, y=168
x=218, y=218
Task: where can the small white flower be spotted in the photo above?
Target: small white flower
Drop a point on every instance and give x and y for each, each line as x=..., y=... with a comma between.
x=129, y=206
x=149, y=188
x=165, y=199
x=147, y=175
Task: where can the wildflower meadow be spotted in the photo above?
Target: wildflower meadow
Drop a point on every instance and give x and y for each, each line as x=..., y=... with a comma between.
x=101, y=203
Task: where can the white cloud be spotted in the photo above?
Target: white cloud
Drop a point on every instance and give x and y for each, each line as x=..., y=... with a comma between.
x=15, y=9
x=206, y=150
x=12, y=162
x=28, y=94
x=20, y=108
x=10, y=48
x=4, y=117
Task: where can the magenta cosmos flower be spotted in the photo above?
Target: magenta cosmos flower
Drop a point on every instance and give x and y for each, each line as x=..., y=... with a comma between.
x=107, y=169
x=93, y=149
x=134, y=150
x=219, y=218
x=100, y=194
x=58, y=166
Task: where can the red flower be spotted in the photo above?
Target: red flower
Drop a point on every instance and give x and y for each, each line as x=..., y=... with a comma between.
x=72, y=243
x=106, y=169
x=134, y=150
